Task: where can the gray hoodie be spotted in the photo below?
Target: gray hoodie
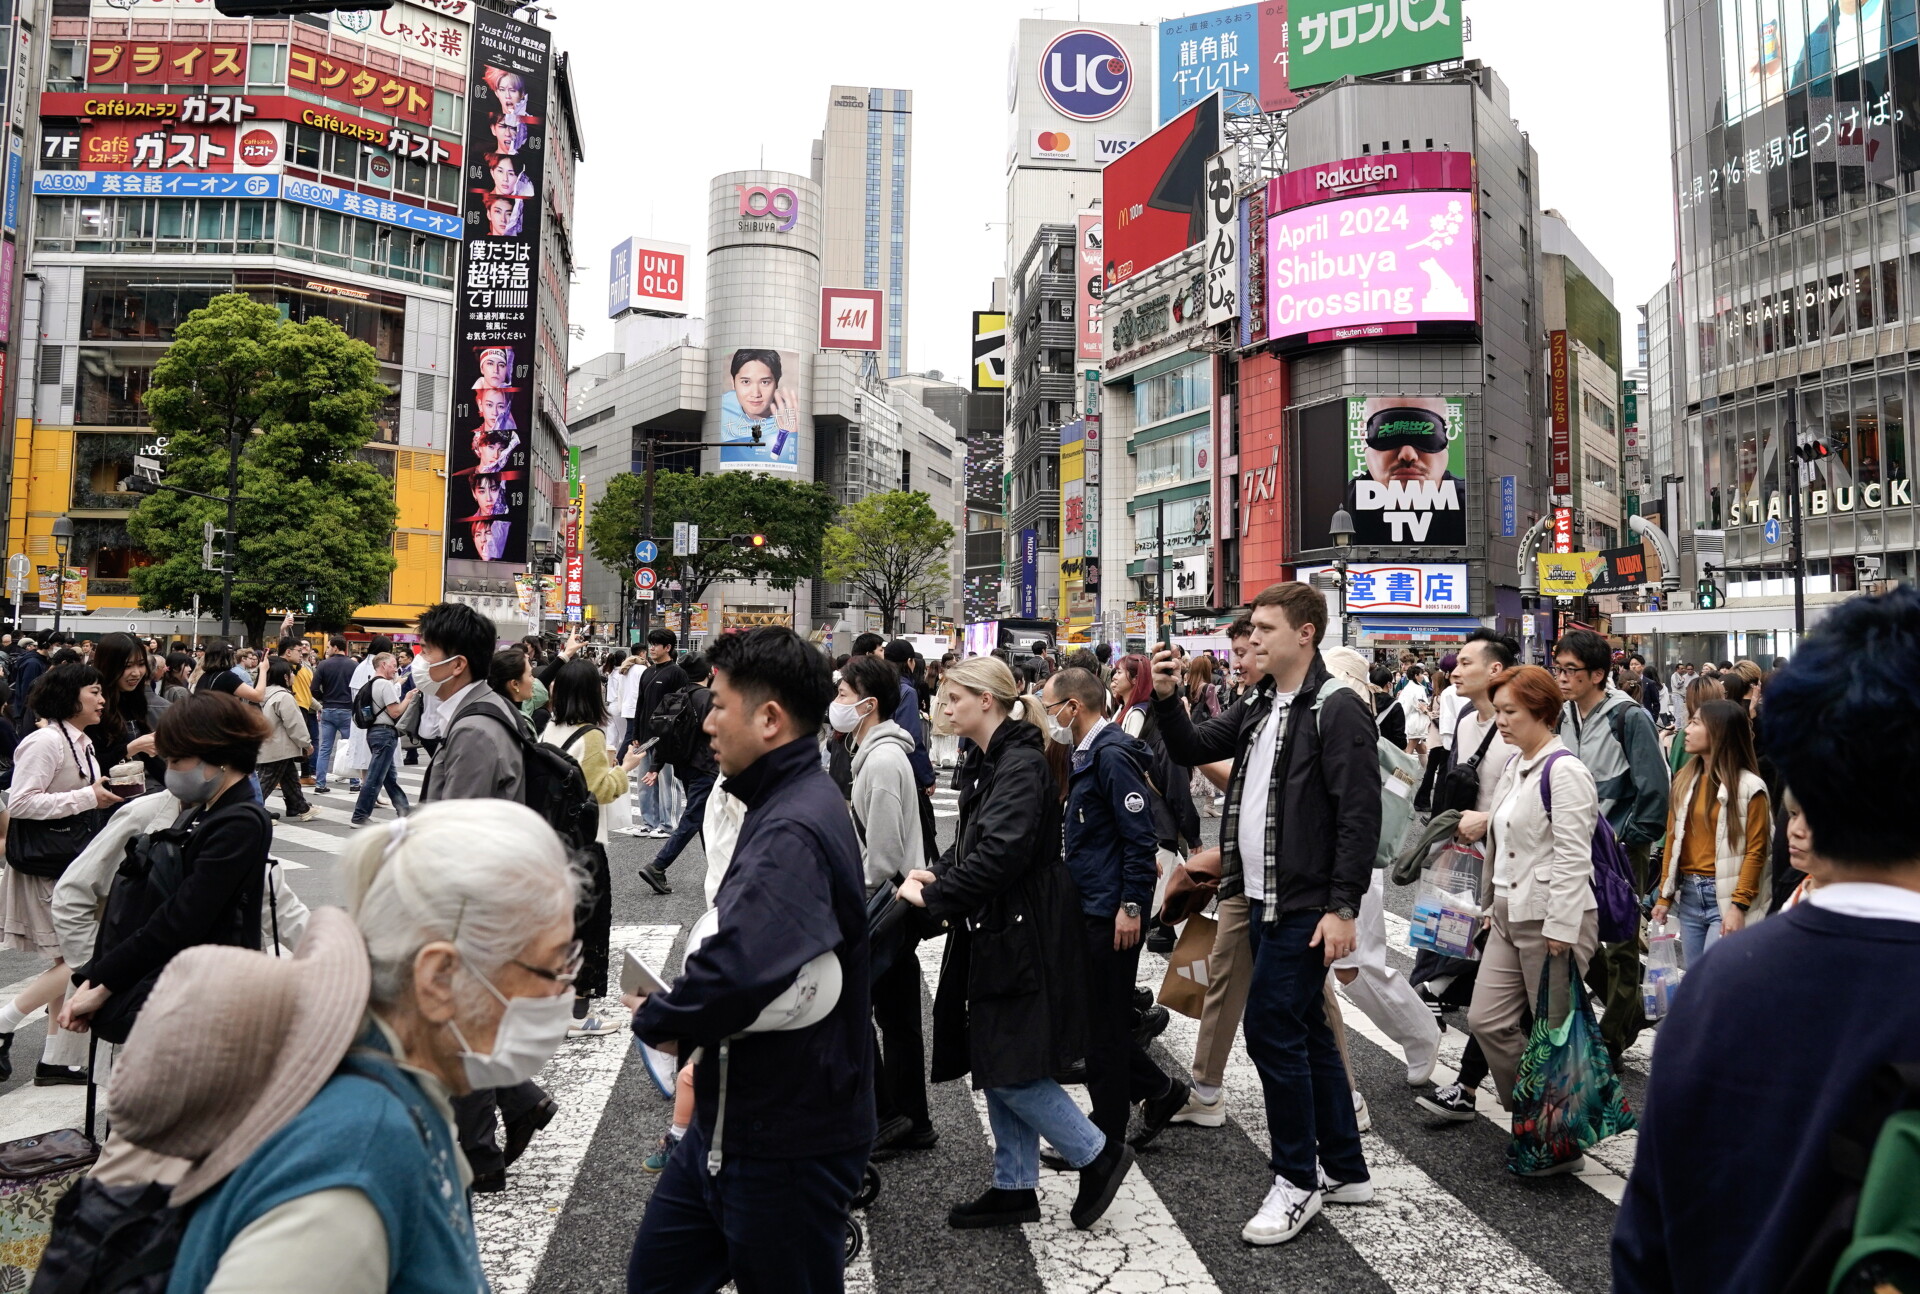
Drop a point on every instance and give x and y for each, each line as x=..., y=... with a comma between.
x=884, y=808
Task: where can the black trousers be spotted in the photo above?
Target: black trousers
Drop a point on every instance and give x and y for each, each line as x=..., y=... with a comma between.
x=593, y=924
x=477, y=1116
x=1118, y=1072
x=902, y=1074
x=1436, y=760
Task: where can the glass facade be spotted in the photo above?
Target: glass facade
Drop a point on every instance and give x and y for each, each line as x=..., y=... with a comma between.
x=1168, y=395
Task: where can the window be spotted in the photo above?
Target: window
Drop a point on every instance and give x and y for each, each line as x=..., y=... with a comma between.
x=267, y=66
x=1175, y=459
x=1168, y=395
x=145, y=306
x=66, y=64
x=113, y=386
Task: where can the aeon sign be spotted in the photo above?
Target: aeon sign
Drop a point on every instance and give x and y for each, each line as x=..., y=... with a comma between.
x=1085, y=74
x=767, y=211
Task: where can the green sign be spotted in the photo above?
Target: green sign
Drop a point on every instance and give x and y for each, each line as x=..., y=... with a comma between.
x=1329, y=39
x=573, y=470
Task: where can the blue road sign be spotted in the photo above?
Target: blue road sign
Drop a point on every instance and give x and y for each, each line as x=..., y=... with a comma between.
x=1773, y=532
x=645, y=551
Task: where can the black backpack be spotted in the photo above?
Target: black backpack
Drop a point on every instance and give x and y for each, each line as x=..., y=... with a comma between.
x=675, y=725
x=552, y=784
x=112, y=1240
x=364, y=714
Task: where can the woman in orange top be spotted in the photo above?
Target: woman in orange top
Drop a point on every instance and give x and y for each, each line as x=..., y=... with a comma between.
x=1719, y=831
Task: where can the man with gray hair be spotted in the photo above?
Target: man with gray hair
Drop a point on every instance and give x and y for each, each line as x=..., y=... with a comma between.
x=382, y=701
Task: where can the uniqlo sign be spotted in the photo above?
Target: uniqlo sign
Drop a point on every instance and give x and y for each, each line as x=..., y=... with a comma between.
x=850, y=318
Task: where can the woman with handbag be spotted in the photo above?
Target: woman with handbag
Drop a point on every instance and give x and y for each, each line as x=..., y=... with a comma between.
x=1540, y=844
x=54, y=809
x=1009, y=1007
x=206, y=878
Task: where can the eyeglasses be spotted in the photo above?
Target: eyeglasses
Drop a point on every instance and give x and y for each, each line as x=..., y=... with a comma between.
x=1568, y=671
x=567, y=974
x=1057, y=704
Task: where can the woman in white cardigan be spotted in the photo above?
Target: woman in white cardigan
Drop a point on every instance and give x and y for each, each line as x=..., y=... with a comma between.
x=1542, y=875
x=1719, y=832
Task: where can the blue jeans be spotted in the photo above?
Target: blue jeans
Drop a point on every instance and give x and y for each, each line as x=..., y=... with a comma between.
x=656, y=801
x=697, y=785
x=774, y=1226
x=1309, y=1105
x=1020, y=1115
x=336, y=724
x=381, y=742
x=1696, y=906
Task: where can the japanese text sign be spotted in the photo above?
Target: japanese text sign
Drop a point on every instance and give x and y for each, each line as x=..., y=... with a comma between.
x=1335, y=38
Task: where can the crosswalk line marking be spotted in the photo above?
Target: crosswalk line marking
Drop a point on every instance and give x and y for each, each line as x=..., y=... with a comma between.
x=1413, y=1218
x=515, y=1226
x=1136, y=1246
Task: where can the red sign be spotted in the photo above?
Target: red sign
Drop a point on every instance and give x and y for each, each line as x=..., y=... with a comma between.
x=150, y=146
x=1563, y=530
x=260, y=148
x=236, y=109
x=576, y=566
x=1560, y=401
x=850, y=318
x=1378, y=173
x=1154, y=194
x=155, y=62
x=1274, y=95
x=345, y=81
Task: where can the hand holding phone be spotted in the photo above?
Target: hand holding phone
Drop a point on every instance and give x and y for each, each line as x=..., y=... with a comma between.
x=637, y=979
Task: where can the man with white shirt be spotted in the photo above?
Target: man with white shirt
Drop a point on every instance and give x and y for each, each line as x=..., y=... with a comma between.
x=1771, y=1048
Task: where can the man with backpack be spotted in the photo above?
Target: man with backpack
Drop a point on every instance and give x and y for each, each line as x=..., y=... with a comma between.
x=1752, y=1167
x=678, y=723
x=482, y=757
x=1616, y=740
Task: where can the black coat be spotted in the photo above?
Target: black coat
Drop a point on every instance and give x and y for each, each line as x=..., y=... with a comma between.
x=1011, y=1003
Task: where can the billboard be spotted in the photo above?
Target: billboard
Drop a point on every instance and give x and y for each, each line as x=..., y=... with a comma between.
x=1223, y=241
x=1371, y=266
x=489, y=467
x=143, y=146
x=989, y=350
x=1569, y=574
x=1330, y=39
x=1089, y=278
x=1242, y=49
x=1560, y=411
x=1155, y=195
x=1438, y=589
x=850, y=318
x=1029, y=574
x=1085, y=75
x=646, y=275
x=1772, y=47
x=760, y=412
x=1406, y=463
x=1076, y=608
x=236, y=111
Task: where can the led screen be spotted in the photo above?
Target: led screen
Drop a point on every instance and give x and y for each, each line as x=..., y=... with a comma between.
x=1383, y=263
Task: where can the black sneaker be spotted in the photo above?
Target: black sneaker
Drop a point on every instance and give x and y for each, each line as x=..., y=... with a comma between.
x=1452, y=1102
x=1151, y=1024
x=1142, y=998
x=45, y=1075
x=886, y=1141
x=321, y=788
x=995, y=1208
x=490, y=1183
x=657, y=878
x=1160, y=940
x=6, y=1057
x=520, y=1131
x=1156, y=1114
x=1099, y=1183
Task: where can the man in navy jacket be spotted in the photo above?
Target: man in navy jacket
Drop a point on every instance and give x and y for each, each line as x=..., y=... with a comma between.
x=767, y=1206
x=1778, y=1029
x=1110, y=845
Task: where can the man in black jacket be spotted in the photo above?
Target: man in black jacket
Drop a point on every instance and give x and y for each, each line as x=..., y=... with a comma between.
x=1298, y=835
x=661, y=677
x=766, y=1205
x=695, y=769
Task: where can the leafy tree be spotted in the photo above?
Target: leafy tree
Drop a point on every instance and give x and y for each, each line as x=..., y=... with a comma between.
x=893, y=548
x=793, y=515
x=313, y=513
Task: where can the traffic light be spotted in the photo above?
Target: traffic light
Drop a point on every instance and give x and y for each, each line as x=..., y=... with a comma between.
x=1707, y=596
x=311, y=604
x=750, y=541
x=1813, y=449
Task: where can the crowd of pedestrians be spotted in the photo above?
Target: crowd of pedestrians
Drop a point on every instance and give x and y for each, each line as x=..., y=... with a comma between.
x=321, y=1092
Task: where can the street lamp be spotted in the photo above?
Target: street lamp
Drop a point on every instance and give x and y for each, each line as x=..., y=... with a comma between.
x=62, y=540
x=1341, y=530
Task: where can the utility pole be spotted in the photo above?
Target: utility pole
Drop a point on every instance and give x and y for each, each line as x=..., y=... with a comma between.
x=228, y=553
x=1796, y=459
x=1160, y=571
x=646, y=524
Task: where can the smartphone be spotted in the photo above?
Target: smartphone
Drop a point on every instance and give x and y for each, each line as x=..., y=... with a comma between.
x=642, y=747
x=638, y=979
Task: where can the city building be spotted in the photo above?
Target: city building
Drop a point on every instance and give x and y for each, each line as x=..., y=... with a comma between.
x=863, y=163
x=317, y=164
x=1042, y=395
x=1661, y=360
x=1577, y=296
x=985, y=429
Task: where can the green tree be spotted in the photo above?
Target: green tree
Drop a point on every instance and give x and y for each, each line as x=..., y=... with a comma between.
x=892, y=547
x=793, y=515
x=313, y=513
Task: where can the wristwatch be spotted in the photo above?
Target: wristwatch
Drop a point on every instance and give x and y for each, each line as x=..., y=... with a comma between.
x=1131, y=911
x=1345, y=914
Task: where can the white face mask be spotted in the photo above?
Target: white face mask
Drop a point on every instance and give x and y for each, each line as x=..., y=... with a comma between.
x=531, y=1030
x=844, y=717
x=1060, y=732
x=423, y=679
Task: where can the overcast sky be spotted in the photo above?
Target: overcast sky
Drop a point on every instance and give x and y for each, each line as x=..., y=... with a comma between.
x=673, y=94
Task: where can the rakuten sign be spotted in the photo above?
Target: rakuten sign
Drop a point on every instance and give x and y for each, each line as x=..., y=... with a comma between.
x=1402, y=258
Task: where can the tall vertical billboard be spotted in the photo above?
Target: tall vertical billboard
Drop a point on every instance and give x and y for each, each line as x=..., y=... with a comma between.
x=989, y=350
x=1242, y=50
x=489, y=468
x=1560, y=411
x=1155, y=197
x=1406, y=469
x=1089, y=280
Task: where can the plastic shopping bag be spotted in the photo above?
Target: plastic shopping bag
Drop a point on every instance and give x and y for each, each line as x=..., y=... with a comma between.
x=1566, y=1096
x=1446, y=906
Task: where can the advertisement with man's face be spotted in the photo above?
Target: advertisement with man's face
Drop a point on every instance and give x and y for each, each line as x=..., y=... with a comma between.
x=1406, y=457
x=760, y=412
x=489, y=474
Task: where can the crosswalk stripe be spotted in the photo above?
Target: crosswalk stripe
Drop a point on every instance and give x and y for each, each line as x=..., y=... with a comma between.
x=1136, y=1246
x=1413, y=1218
x=514, y=1226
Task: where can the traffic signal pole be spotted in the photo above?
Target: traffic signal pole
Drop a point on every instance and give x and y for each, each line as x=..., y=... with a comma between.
x=1793, y=515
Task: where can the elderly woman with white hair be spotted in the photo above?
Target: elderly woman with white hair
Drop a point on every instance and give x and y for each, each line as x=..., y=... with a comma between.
x=311, y=1096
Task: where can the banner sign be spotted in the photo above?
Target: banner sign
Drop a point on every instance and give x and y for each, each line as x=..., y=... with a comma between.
x=989, y=350
x=1563, y=530
x=1330, y=39
x=1029, y=573
x=1374, y=173
x=488, y=462
x=1509, y=506
x=226, y=185
x=153, y=62
x=1626, y=567
x=1434, y=589
x=1560, y=399
x=1222, y=241
x=237, y=110
x=1089, y=288
x=1568, y=574
x=1253, y=269
x=357, y=85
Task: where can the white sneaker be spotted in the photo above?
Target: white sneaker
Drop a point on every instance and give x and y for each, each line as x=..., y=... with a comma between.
x=594, y=1026
x=1284, y=1212
x=1361, y=1115
x=661, y=833
x=1203, y=1114
x=1332, y=1192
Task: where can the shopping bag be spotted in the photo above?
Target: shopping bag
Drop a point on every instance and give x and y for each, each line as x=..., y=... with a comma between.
x=1185, y=987
x=1566, y=1096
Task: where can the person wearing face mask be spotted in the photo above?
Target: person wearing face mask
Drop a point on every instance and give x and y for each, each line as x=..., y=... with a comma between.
x=211, y=742
x=886, y=816
x=329, y=1162
x=1110, y=847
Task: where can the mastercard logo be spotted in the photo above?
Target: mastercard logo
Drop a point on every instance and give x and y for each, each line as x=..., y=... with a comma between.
x=1053, y=141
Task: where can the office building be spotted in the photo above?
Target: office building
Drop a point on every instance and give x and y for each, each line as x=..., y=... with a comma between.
x=1577, y=300
x=863, y=163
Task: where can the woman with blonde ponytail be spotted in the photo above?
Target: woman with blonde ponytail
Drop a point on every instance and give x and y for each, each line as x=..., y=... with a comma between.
x=1009, y=1007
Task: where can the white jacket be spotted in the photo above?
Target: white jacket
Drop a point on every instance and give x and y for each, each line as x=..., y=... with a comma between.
x=1548, y=861
x=1728, y=857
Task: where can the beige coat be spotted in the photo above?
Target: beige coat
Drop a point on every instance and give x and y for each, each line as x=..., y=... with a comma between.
x=1728, y=859
x=1548, y=861
x=288, y=738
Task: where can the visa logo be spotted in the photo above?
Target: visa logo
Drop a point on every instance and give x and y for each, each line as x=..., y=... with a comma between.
x=1108, y=147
